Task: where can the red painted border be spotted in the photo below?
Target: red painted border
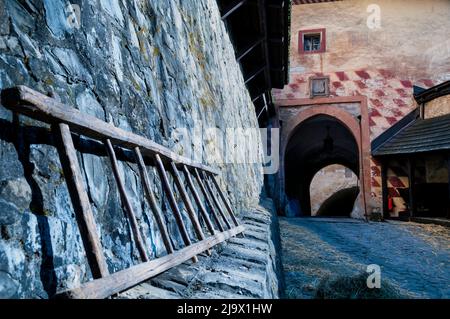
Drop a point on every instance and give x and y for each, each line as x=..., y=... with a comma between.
x=323, y=43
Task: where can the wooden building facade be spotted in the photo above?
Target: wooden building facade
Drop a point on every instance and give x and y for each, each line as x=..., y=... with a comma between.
x=418, y=147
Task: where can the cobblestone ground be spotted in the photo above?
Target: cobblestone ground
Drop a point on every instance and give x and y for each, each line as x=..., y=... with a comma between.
x=415, y=258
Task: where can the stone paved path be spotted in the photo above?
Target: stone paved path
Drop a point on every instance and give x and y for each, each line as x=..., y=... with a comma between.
x=242, y=267
x=413, y=257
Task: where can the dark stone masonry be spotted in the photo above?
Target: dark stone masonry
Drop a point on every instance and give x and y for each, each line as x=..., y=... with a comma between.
x=149, y=67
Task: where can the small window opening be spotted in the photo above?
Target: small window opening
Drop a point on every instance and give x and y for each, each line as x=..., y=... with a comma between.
x=311, y=42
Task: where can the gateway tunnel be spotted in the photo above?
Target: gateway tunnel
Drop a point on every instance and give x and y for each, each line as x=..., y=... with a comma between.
x=315, y=144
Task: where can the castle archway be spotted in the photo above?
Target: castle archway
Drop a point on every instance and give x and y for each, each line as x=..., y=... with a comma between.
x=317, y=137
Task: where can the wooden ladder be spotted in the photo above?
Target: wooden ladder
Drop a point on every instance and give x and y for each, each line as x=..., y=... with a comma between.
x=66, y=121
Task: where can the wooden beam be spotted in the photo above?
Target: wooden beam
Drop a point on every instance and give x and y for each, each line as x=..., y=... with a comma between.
x=263, y=26
x=277, y=40
x=255, y=74
x=173, y=203
x=225, y=201
x=249, y=48
x=126, y=202
x=208, y=200
x=125, y=279
x=198, y=201
x=384, y=188
x=80, y=201
x=232, y=8
x=257, y=97
x=264, y=108
x=216, y=202
x=412, y=181
x=38, y=106
x=152, y=201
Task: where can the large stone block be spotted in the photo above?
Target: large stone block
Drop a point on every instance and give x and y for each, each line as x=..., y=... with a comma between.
x=16, y=192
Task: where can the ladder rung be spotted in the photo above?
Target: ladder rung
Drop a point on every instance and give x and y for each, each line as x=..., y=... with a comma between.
x=126, y=202
x=152, y=201
x=198, y=201
x=216, y=202
x=173, y=202
x=208, y=200
x=187, y=203
x=225, y=200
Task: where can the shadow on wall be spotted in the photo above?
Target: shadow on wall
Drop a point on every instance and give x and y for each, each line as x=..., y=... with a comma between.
x=22, y=138
x=340, y=204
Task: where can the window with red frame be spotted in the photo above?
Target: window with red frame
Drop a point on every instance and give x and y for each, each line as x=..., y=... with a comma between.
x=312, y=41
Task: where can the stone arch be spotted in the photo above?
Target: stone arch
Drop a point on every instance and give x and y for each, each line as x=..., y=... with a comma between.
x=327, y=184
x=358, y=128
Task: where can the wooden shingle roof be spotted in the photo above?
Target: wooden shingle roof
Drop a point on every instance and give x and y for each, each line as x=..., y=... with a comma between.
x=418, y=137
x=414, y=134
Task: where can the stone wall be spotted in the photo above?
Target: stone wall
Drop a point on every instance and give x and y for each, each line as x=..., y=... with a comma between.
x=149, y=67
x=437, y=107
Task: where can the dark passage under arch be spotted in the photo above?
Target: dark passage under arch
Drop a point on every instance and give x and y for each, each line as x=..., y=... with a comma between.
x=317, y=142
x=340, y=203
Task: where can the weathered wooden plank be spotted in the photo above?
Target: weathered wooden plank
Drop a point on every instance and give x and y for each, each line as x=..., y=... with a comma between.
x=225, y=200
x=80, y=201
x=198, y=201
x=232, y=8
x=152, y=201
x=125, y=279
x=126, y=202
x=208, y=200
x=187, y=202
x=24, y=100
x=172, y=202
x=216, y=202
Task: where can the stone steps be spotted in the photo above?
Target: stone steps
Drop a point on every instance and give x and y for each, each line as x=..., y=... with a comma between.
x=240, y=268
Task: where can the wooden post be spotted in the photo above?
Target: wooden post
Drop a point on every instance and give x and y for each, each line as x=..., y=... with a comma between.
x=198, y=201
x=125, y=201
x=80, y=201
x=384, y=188
x=225, y=200
x=173, y=202
x=411, y=177
x=152, y=201
x=208, y=199
x=448, y=172
x=216, y=202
